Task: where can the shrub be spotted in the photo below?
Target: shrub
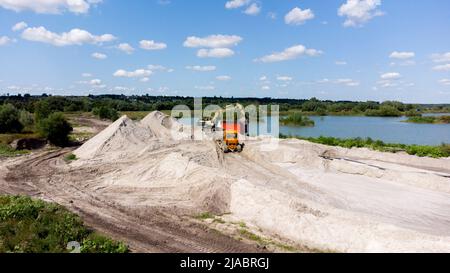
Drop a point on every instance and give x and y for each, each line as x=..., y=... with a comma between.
x=26, y=118
x=9, y=119
x=298, y=120
x=104, y=112
x=384, y=111
x=42, y=110
x=100, y=244
x=56, y=129
x=444, y=119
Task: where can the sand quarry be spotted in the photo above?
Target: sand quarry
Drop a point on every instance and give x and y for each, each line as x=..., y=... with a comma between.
x=326, y=198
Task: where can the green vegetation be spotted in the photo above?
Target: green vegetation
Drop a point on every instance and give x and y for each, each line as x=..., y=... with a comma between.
x=56, y=129
x=384, y=111
x=105, y=112
x=70, y=157
x=418, y=150
x=43, y=106
x=10, y=119
x=429, y=120
x=297, y=119
x=34, y=226
x=205, y=215
x=251, y=236
x=7, y=151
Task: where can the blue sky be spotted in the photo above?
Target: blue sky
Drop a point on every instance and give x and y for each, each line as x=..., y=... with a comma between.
x=331, y=49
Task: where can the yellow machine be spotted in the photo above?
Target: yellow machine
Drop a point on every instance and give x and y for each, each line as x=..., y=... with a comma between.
x=231, y=138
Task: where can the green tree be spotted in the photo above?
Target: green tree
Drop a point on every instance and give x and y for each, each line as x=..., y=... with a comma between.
x=56, y=129
x=105, y=112
x=9, y=119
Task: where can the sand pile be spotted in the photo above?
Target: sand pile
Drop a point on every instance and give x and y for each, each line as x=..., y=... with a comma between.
x=326, y=197
x=155, y=161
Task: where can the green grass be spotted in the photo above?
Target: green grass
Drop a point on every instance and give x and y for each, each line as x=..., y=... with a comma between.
x=7, y=151
x=34, y=226
x=205, y=216
x=70, y=157
x=251, y=236
x=418, y=150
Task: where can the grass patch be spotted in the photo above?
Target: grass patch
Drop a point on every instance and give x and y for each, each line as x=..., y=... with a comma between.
x=205, y=216
x=7, y=151
x=251, y=236
x=70, y=157
x=377, y=145
x=34, y=226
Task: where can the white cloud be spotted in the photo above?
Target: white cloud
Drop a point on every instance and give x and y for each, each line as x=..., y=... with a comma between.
x=99, y=56
x=146, y=79
x=263, y=78
x=215, y=53
x=359, y=12
x=441, y=58
x=341, y=63
x=284, y=78
x=19, y=26
x=223, y=78
x=86, y=75
x=152, y=45
x=265, y=87
x=49, y=6
x=444, y=81
x=74, y=37
x=444, y=67
x=125, y=47
x=234, y=4
x=139, y=73
x=213, y=41
x=253, y=9
x=201, y=68
x=95, y=82
x=297, y=16
x=390, y=80
x=4, y=40
x=391, y=76
x=290, y=54
x=153, y=67
x=348, y=82
x=402, y=55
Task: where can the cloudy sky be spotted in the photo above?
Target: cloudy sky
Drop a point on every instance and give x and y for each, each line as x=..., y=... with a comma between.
x=330, y=49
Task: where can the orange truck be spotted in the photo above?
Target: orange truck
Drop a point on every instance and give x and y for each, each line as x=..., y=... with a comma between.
x=231, y=142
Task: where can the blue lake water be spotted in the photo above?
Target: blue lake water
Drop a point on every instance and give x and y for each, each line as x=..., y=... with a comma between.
x=391, y=130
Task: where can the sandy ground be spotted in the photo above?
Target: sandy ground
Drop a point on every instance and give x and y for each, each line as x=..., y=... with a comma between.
x=140, y=181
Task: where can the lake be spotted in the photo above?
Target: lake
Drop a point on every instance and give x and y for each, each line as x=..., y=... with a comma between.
x=390, y=130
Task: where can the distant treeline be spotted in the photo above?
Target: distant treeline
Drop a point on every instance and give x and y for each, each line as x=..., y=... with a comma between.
x=124, y=103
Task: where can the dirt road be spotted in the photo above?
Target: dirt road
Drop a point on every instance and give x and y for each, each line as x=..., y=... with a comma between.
x=151, y=229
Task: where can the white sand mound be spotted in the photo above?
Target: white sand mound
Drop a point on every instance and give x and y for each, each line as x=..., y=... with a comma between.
x=118, y=136
x=125, y=136
x=162, y=125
